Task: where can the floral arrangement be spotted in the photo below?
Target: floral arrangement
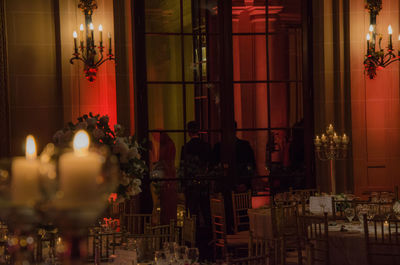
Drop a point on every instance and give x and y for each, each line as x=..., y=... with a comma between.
x=374, y=6
x=125, y=148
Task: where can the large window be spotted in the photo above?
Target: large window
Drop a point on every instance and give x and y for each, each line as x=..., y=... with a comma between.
x=184, y=46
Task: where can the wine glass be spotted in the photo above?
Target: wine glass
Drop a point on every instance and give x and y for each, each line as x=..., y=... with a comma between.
x=160, y=258
x=192, y=255
x=349, y=213
x=361, y=210
x=180, y=254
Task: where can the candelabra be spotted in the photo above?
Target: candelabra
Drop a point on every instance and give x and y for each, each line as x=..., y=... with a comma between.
x=377, y=59
x=331, y=147
x=88, y=54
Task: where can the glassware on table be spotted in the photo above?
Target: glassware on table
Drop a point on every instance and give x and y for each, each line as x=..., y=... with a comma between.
x=349, y=213
x=361, y=210
x=160, y=258
x=169, y=250
x=180, y=254
x=192, y=255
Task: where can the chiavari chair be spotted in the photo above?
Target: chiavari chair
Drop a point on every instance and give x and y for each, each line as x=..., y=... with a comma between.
x=264, y=247
x=161, y=234
x=101, y=244
x=135, y=223
x=382, y=240
x=221, y=241
x=315, y=231
x=241, y=202
x=188, y=235
x=252, y=260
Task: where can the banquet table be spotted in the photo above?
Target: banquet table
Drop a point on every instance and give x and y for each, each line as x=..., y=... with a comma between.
x=346, y=247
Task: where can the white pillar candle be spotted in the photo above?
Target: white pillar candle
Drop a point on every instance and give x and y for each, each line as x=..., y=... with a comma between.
x=80, y=172
x=25, y=176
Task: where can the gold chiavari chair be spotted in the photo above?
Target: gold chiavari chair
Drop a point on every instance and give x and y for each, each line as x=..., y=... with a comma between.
x=315, y=231
x=382, y=240
x=241, y=202
x=252, y=260
x=135, y=223
x=188, y=235
x=101, y=245
x=264, y=247
x=162, y=234
x=223, y=242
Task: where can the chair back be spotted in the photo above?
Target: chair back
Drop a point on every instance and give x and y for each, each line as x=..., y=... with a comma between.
x=161, y=234
x=382, y=240
x=101, y=245
x=135, y=223
x=217, y=209
x=251, y=260
x=188, y=236
x=241, y=202
x=315, y=230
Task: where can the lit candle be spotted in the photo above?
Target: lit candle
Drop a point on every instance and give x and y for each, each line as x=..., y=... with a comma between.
x=317, y=141
x=323, y=138
x=109, y=43
x=81, y=35
x=329, y=130
x=101, y=35
x=390, y=36
x=75, y=44
x=91, y=32
x=368, y=38
x=336, y=139
x=371, y=33
x=25, y=176
x=80, y=172
x=345, y=139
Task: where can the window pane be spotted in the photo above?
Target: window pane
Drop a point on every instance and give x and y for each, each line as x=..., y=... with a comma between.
x=248, y=19
x=187, y=16
x=251, y=105
x=163, y=55
x=285, y=52
x=190, y=67
x=163, y=16
x=249, y=61
x=165, y=107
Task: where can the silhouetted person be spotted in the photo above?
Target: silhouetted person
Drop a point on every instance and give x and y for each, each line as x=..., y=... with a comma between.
x=245, y=163
x=195, y=158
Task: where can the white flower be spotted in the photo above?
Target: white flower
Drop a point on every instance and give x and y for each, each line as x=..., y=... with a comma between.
x=137, y=182
x=133, y=153
x=98, y=134
x=57, y=137
x=125, y=181
x=82, y=125
x=121, y=147
x=91, y=122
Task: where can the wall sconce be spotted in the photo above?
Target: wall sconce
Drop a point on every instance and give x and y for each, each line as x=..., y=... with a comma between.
x=377, y=59
x=88, y=54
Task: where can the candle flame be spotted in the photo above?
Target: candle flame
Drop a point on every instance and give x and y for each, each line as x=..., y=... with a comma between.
x=81, y=143
x=371, y=27
x=81, y=27
x=75, y=35
x=100, y=27
x=30, y=149
x=368, y=36
x=91, y=26
x=390, y=30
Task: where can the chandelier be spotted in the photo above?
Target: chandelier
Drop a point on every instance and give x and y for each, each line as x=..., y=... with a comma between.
x=87, y=52
x=376, y=57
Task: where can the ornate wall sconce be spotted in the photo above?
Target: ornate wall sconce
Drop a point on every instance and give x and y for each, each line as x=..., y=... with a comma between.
x=90, y=54
x=377, y=59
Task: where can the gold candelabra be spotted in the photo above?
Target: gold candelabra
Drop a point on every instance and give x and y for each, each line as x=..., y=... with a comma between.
x=331, y=147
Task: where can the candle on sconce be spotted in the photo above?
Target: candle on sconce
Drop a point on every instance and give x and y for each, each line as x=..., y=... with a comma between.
x=91, y=27
x=75, y=35
x=329, y=130
x=109, y=43
x=25, y=176
x=368, y=38
x=390, y=31
x=101, y=35
x=80, y=172
x=81, y=35
x=336, y=139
